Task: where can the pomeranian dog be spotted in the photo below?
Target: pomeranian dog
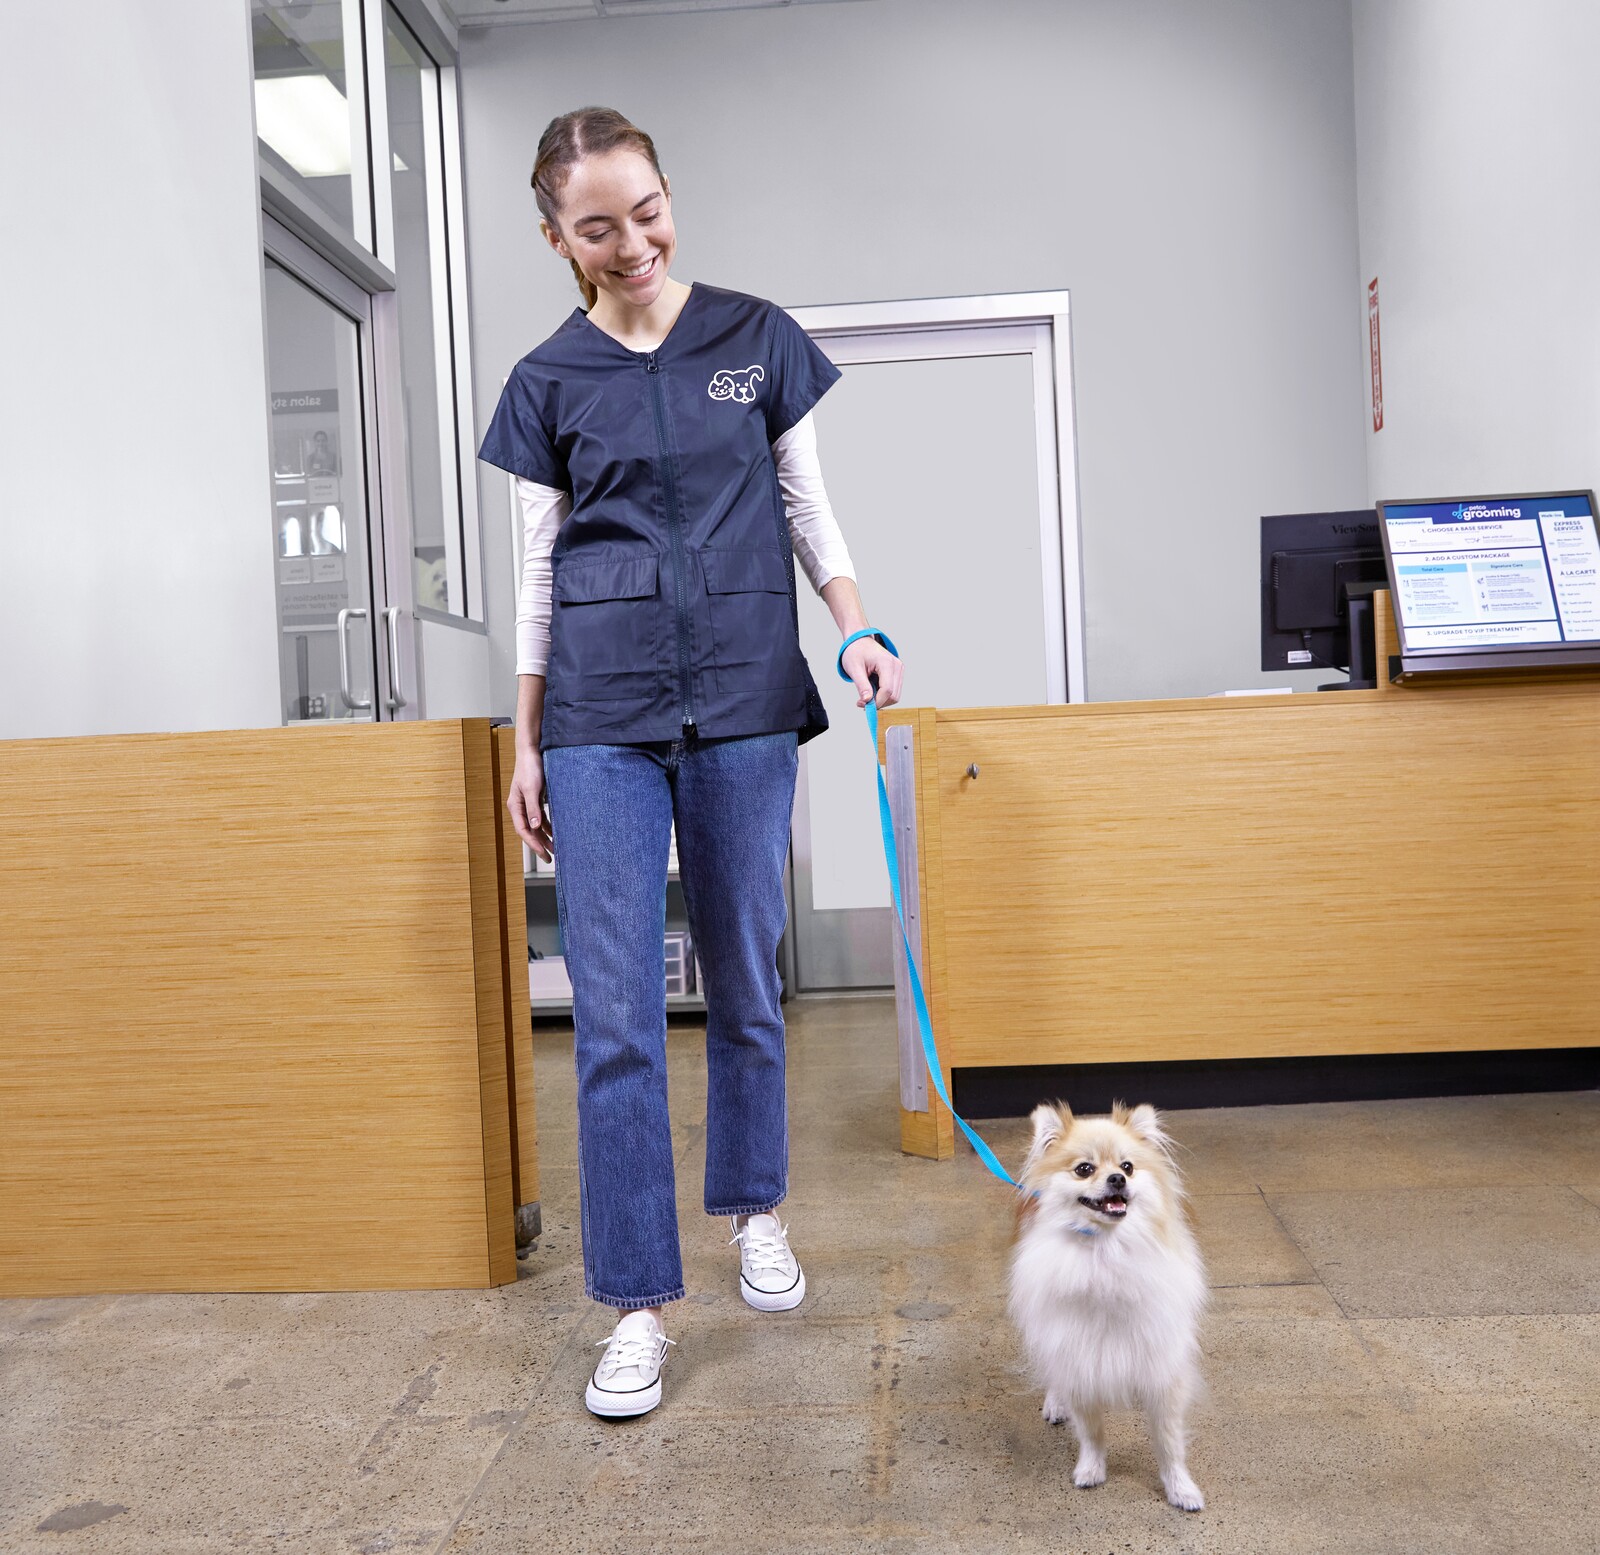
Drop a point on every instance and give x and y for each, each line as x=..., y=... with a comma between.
x=1107, y=1287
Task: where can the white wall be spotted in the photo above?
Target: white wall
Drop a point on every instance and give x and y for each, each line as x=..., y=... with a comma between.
x=135, y=530
x=1479, y=155
x=1186, y=170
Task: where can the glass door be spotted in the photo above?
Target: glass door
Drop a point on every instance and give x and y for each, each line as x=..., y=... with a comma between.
x=331, y=656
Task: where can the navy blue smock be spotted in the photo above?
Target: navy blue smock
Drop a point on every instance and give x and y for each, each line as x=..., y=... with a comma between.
x=669, y=578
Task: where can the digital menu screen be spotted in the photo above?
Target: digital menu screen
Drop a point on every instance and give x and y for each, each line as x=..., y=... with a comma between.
x=1500, y=573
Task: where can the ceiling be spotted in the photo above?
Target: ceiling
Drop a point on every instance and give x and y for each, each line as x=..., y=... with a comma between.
x=491, y=13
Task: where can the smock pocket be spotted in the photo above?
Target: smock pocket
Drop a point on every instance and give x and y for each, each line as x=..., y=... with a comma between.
x=752, y=628
x=605, y=629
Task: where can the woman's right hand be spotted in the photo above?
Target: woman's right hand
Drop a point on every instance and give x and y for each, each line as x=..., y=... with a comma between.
x=527, y=804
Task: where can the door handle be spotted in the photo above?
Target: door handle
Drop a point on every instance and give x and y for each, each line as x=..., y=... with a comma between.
x=344, y=659
x=391, y=617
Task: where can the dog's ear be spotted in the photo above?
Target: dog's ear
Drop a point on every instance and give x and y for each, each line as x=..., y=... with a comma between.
x=1144, y=1122
x=1050, y=1122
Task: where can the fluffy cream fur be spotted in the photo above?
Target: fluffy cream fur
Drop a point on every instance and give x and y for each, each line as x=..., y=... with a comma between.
x=1107, y=1286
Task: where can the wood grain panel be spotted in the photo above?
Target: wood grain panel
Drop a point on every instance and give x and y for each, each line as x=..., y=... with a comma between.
x=1385, y=640
x=242, y=975
x=519, y=1029
x=482, y=795
x=1355, y=872
x=932, y=875
x=930, y=1133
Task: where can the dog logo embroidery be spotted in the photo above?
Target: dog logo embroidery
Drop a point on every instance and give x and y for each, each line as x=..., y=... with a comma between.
x=740, y=386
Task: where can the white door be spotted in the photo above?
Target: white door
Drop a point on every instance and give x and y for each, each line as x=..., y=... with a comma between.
x=948, y=454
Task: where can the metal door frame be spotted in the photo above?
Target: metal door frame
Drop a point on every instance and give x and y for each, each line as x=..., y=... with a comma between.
x=852, y=947
x=304, y=239
x=1055, y=428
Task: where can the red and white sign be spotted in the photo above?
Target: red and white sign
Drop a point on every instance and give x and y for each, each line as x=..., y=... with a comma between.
x=1377, y=359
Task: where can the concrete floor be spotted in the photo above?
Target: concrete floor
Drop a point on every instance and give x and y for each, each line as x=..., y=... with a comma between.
x=1404, y=1355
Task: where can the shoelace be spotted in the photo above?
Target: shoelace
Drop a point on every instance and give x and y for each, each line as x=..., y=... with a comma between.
x=640, y=1350
x=764, y=1252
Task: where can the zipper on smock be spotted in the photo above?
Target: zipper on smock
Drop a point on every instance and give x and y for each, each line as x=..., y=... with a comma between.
x=675, y=531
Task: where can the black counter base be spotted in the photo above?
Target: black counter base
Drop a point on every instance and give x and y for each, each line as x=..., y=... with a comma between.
x=1014, y=1091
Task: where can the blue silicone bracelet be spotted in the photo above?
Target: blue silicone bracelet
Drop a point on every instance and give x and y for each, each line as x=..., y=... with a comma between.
x=868, y=631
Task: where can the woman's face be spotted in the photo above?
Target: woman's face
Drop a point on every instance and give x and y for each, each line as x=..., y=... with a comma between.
x=616, y=221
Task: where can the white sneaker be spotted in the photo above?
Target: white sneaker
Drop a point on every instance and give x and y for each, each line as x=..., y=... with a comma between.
x=770, y=1277
x=628, y=1379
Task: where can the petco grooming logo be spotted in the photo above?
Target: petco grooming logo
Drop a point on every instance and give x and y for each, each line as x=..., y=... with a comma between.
x=1479, y=510
x=740, y=386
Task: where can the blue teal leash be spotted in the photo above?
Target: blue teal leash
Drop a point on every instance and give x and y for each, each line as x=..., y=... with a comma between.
x=891, y=856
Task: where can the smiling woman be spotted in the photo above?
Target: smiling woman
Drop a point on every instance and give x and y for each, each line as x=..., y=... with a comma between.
x=625, y=230
x=667, y=471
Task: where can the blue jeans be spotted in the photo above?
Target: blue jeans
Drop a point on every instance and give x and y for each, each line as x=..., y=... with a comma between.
x=611, y=807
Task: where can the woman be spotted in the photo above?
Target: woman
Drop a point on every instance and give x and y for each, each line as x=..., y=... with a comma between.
x=667, y=474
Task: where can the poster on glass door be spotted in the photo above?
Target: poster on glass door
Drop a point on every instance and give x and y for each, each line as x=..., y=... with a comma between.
x=308, y=514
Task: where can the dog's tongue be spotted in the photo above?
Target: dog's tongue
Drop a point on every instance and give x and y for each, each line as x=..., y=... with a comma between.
x=1116, y=1201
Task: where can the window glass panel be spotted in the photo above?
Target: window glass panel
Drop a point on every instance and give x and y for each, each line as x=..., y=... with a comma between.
x=309, y=110
x=421, y=267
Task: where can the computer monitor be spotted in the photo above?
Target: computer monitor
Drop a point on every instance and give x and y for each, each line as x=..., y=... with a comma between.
x=1494, y=583
x=1318, y=571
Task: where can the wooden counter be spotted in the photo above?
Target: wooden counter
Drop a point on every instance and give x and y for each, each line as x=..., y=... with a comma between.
x=1400, y=870
x=265, y=1011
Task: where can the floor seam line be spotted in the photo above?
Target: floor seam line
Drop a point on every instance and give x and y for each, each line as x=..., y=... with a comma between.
x=561, y=1354
x=1277, y=1220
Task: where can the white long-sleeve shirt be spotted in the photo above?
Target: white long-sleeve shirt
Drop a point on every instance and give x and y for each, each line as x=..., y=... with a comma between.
x=813, y=531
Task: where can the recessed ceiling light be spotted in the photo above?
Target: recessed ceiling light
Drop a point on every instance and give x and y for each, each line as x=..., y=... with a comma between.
x=306, y=120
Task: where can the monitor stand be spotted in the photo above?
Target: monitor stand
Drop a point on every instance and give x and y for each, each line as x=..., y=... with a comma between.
x=1363, y=645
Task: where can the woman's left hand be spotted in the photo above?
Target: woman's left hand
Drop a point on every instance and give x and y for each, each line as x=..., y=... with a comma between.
x=866, y=657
